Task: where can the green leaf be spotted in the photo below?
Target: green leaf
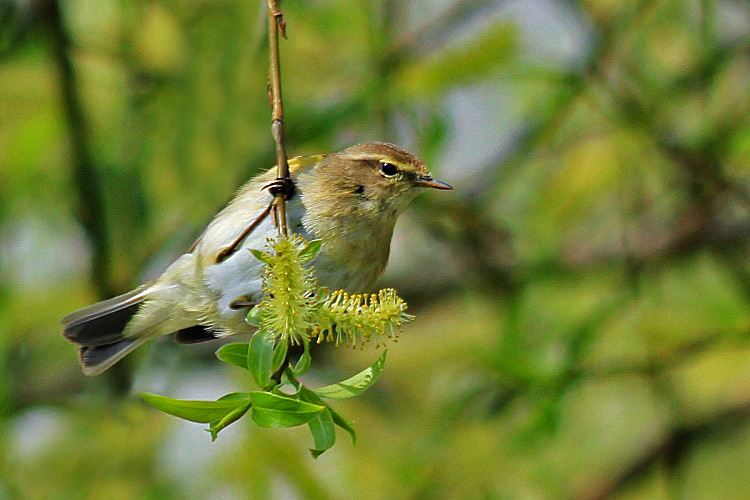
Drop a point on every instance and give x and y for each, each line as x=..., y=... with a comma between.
x=288, y=377
x=309, y=396
x=323, y=432
x=279, y=355
x=234, y=354
x=261, y=256
x=303, y=364
x=272, y=410
x=339, y=420
x=355, y=385
x=312, y=249
x=253, y=316
x=259, y=358
x=196, y=411
x=235, y=395
x=232, y=416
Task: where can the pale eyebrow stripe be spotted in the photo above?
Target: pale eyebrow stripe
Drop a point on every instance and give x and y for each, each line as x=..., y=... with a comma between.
x=371, y=157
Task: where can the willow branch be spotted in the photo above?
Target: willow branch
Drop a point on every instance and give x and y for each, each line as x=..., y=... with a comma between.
x=284, y=189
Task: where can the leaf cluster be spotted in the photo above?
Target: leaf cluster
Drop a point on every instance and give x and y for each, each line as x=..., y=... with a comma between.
x=272, y=407
x=292, y=310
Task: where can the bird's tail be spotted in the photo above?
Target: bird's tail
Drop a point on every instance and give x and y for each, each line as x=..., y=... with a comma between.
x=98, y=329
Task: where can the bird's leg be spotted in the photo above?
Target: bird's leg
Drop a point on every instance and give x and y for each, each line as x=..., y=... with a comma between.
x=231, y=249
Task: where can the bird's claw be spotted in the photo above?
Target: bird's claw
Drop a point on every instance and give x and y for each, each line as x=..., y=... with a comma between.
x=283, y=186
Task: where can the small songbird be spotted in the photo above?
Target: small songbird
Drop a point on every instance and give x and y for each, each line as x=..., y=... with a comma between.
x=350, y=200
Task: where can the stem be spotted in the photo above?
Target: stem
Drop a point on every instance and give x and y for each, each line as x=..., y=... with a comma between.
x=275, y=24
x=284, y=180
x=277, y=376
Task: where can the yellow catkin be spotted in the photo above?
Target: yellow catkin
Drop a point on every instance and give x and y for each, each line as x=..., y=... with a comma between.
x=355, y=319
x=293, y=309
x=288, y=283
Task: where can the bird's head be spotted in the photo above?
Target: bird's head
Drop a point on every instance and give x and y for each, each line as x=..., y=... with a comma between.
x=373, y=179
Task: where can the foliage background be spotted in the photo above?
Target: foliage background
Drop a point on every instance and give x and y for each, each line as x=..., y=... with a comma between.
x=582, y=297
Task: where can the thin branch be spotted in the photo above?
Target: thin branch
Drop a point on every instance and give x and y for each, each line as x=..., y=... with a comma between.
x=283, y=187
x=283, y=190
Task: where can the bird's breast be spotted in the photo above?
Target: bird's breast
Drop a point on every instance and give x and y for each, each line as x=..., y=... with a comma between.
x=352, y=258
x=353, y=255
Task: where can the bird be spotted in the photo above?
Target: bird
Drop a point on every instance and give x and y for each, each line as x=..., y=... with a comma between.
x=350, y=200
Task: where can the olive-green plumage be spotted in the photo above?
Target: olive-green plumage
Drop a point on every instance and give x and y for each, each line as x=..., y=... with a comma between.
x=349, y=199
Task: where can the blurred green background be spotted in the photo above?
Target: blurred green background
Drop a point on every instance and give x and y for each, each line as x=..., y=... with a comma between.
x=582, y=297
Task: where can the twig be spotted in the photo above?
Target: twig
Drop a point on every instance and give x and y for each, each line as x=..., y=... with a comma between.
x=283, y=188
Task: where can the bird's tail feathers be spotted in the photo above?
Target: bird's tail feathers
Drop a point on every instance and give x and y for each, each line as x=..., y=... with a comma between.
x=102, y=323
x=109, y=330
x=95, y=359
x=98, y=330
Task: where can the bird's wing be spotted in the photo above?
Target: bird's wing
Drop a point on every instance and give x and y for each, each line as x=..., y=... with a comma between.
x=302, y=163
x=297, y=165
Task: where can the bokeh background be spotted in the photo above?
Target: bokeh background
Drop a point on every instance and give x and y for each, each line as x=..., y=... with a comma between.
x=582, y=297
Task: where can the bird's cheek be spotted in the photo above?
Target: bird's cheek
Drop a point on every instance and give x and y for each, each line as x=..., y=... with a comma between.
x=366, y=205
x=407, y=198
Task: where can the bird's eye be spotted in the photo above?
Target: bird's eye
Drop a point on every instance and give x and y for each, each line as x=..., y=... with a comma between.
x=388, y=169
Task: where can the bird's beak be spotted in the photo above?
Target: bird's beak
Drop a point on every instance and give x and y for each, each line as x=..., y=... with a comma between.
x=426, y=181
